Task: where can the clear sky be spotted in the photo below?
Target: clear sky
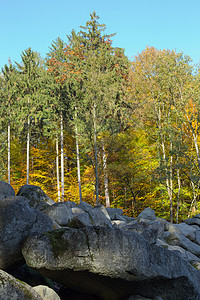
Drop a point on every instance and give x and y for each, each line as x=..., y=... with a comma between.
x=164, y=24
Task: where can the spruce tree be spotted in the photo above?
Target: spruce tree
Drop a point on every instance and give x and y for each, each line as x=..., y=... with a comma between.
x=103, y=70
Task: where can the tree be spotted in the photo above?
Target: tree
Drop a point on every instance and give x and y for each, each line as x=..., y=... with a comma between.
x=7, y=110
x=55, y=64
x=159, y=80
x=29, y=84
x=103, y=70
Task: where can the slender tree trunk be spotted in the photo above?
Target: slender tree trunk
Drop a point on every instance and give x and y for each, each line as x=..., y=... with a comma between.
x=78, y=166
x=78, y=158
x=57, y=169
x=9, y=152
x=168, y=179
x=27, y=152
x=197, y=149
x=178, y=196
x=171, y=184
x=194, y=201
x=62, y=157
x=96, y=157
x=106, y=178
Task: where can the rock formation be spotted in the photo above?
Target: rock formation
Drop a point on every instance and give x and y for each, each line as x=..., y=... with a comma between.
x=93, y=252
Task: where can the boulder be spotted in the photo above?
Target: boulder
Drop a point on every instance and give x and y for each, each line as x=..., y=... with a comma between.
x=119, y=223
x=11, y=288
x=197, y=237
x=17, y=220
x=193, y=221
x=98, y=217
x=70, y=204
x=35, y=195
x=183, y=229
x=46, y=293
x=59, y=212
x=114, y=213
x=76, y=211
x=111, y=264
x=175, y=239
x=89, y=217
x=148, y=214
x=80, y=220
x=184, y=253
x=85, y=206
x=104, y=211
x=150, y=230
x=6, y=190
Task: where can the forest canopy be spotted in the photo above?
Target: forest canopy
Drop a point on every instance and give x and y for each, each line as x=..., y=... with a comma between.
x=86, y=123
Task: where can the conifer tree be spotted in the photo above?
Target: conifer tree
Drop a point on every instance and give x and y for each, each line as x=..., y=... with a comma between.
x=29, y=86
x=103, y=71
x=8, y=99
x=55, y=64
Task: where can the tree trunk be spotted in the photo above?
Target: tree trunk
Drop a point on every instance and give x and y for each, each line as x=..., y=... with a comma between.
x=78, y=166
x=27, y=152
x=62, y=158
x=171, y=184
x=106, y=178
x=9, y=152
x=78, y=158
x=178, y=196
x=57, y=169
x=96, y=157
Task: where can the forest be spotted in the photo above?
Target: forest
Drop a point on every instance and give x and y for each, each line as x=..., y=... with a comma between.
x=86, y=123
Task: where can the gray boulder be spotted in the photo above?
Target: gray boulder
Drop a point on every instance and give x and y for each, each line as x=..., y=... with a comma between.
x=193, y=221
x=114, y=213
x=46, y=293
x=85, y=206
x=80, y=220
x=175, y=239
x=17, y=220
x=89, y=217
x=59, y=212
x=150, y=230
x=184, y=253
x=98, y=217
x=70, y=204
x=76, y=211
x=6, y=190
x=111, y=263
x=119, y=223
x=11, y=288
x=104, y=211
x=148, y=214
x=35, y=195
x=183, y=229
x=197, y=237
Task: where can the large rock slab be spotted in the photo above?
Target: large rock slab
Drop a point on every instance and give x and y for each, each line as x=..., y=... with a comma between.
x=35, y=195
x=17, y=220
x=11, y=288
x=111, y=264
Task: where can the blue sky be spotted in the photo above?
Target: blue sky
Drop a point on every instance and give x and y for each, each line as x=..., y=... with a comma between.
x=172, y=24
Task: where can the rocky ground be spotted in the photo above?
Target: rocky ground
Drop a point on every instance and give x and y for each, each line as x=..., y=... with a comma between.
x=57, y=251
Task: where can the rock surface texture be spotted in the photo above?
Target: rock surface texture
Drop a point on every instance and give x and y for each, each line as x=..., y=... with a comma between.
x=94, y=252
